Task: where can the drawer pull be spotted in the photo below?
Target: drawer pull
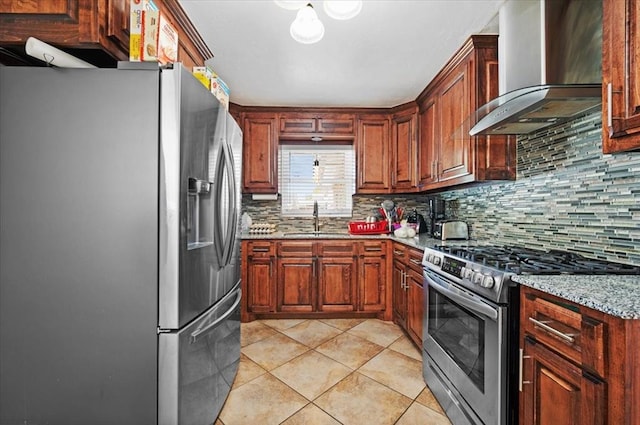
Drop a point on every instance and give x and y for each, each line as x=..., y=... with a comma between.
x=260, y=250
x=372, y=249
x=398, y=252
x=416, y=262
x=568, y=338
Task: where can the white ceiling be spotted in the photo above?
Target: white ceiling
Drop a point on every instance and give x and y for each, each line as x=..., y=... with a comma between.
x=383, y=57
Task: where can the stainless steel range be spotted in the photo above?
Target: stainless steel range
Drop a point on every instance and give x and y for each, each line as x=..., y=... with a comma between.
x=470, y=341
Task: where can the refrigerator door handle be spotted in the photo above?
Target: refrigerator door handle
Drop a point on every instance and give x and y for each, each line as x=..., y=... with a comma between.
x=219, y=242
x=233, y=210
x=198, y=332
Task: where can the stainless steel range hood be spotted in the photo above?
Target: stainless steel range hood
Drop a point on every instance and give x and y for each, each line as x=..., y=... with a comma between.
x=550, y=59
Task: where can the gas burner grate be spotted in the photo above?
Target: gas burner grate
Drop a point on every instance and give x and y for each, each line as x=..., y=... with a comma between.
x=521, y=260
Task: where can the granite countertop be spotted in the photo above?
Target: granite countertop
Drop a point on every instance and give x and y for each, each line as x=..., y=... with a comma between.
x=612, y=294
x=420, y=241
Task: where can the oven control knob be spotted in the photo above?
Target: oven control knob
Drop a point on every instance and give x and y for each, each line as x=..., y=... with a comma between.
x=436, y=260
x=466, y=273
x=477, y=278
x=488, y=281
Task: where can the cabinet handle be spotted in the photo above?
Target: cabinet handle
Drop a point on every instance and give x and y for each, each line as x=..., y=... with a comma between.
x=609, y=106
x=260, y=250
x=520, y=370
x=567, y=337
x=405, y=286
x=416, y=262
x=372, y=249
x=395, y=252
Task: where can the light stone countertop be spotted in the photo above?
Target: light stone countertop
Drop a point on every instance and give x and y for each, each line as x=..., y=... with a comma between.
x=612, y=294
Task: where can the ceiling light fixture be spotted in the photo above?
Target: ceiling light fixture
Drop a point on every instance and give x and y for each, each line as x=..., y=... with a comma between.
x=307, y=28
x=342, y=9
x=291, y=4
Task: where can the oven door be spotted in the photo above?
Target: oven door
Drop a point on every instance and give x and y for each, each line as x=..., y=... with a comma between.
x=464, y=352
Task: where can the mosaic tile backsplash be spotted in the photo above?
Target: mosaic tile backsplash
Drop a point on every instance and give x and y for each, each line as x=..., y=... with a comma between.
x=568, y=195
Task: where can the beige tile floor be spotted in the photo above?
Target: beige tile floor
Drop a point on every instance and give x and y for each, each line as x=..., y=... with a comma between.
x=333, y=371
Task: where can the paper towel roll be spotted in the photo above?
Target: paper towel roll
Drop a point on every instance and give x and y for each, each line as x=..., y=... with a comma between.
x=45, y=52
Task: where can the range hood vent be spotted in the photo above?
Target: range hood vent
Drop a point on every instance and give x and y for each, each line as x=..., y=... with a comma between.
x=550, y=58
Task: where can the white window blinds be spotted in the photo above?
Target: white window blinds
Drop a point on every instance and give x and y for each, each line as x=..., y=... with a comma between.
x=330, y=180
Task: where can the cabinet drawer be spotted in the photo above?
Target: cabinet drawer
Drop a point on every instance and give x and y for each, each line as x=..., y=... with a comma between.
x=337, y=249
x=399, y=252
x=373, y=248
x=415, y=260
x=296, y=249
x=561, y=326
x=260, y=249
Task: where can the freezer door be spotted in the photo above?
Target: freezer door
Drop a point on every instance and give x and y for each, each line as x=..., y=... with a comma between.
x=198, y=364
x=191, y=132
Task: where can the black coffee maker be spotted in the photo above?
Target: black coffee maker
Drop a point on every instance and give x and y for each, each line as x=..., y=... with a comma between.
x=436, y=212
x=418, y=219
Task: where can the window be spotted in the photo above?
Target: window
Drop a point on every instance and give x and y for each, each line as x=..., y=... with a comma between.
x=330, y=180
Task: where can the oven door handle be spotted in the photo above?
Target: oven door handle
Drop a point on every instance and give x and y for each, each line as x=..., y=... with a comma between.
x=441, y=286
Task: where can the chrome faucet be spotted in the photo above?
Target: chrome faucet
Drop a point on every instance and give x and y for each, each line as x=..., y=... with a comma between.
x=316, y=221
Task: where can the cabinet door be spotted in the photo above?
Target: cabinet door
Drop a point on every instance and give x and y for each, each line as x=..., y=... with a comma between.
x=336, y=124
x=621, y=76
x=99, y=30
x=403, y=147
x=261, y=285
x=296, y=285
x=372, y=150
x=373, y=292
x=297, y=123
x=415, y=306
x=454, y=159
x=260, y=150
x=337, y=283
x=427, y=147
x=70, y=24
x=555, y=391
x=399, y=293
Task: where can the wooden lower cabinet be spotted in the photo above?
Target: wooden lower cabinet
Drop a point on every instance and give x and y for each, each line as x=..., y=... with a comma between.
x=415, y=306
x=558, y=392
x=372, y=283
x=408, y=293
x=296, y=285
x=399, y=291
x=258, y=278
x=578, y=365
x=337, y=284
x=312, y=278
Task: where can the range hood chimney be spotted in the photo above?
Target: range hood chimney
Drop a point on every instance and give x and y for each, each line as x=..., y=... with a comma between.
x=550, y=63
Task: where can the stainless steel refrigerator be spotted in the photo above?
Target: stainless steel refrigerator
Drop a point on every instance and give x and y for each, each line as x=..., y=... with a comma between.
x=119, y=247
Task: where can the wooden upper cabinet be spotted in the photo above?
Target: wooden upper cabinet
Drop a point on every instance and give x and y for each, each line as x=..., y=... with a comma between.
x=404, y=150
x=620, y=76
x=447, y=155
x=260, y=153
x=316, y=126
x=454, y=154
x=372, y=152
x=96, y=31
x=428, y=134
